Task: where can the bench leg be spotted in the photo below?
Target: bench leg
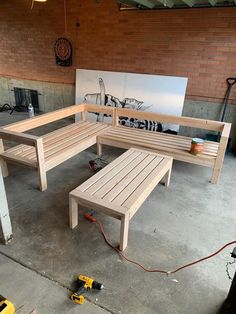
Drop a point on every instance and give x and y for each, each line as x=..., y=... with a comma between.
x=73, y=212
x=124, y=231
x=166, y=178
x=99, y=149
x=4, y=167
x=3, y=163
x=215, y=175
x=42, y=180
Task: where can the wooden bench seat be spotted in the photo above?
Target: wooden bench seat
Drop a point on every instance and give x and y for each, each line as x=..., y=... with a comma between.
x=175, y=145
x=59, y=145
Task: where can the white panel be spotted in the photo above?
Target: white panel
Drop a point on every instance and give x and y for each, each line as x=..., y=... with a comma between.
x=156, y=93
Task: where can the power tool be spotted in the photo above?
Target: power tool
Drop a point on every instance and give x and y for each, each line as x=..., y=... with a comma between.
x=6, y=307
x=84, y=284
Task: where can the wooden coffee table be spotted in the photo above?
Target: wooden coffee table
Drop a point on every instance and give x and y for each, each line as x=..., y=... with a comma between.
x=119, y=189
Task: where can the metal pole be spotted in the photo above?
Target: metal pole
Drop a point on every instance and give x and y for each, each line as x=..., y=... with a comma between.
x=5, y=222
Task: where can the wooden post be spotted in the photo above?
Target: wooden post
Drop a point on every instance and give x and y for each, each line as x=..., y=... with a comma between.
x=3, y=163
x=124, y=231
x=5, y=222
x=73, y=212
x=41, y=164
x=99, y=148
x=83, y=116
x=115, y=118
x=219, y=160
x=166, y=178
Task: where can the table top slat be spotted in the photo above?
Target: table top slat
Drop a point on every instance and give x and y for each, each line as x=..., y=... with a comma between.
x=147, y=185
x=114, y=177
x=95, y=181
x=132, y=172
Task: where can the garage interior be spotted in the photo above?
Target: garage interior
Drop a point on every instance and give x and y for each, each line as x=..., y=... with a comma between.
x=176, y=225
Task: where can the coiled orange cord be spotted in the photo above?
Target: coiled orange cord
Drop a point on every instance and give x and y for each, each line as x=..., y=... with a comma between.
x=91, y=218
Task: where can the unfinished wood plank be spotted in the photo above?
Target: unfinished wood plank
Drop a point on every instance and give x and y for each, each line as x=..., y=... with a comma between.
x=132, y=172
x=124, y=232
x=98, y=176
x=3, y=163
x=73, y=212
x=219, y=160
x=181, y=155
x=18, y=137
x=184, y=121
x=146, y=187
x=19, y=159
x=41, y=165
x=106, y=179
x=137, y=180
x=155, y=138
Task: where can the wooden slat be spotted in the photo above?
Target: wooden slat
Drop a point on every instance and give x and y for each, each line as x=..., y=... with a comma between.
x=159, y=140
x=184, y=121
x=113, y=172
x=177, y=155
x=55, y=144
x=48, y=139
x=132, y=173
x=20, y=160
x=143, y=190
x=137, y=180
x=108, y=191
x=160, y=136
x=98, y=176
x=77, y=141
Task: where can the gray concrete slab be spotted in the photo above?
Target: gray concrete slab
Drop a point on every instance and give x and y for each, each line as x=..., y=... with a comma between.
x=176, y=225
x=28, y=290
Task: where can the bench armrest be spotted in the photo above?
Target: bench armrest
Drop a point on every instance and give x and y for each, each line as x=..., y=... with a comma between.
x=22, y=138
x=43, y=119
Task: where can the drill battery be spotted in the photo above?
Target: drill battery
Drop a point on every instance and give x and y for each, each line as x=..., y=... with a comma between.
x=6, y=307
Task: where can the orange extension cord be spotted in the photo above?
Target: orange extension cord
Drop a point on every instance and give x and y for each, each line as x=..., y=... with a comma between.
x=94, y=220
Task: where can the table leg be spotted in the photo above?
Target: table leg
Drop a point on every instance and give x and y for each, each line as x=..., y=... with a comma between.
x=73, y=212
x=124, y=231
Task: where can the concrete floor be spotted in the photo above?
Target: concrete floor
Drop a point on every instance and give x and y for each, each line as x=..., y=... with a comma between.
x=176, y=225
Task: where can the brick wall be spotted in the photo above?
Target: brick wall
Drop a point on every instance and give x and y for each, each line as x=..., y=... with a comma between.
x=197, y=43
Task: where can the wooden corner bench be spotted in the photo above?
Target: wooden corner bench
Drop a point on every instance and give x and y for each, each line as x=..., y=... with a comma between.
x=46, y=152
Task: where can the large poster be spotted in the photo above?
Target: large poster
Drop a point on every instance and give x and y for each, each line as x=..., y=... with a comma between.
x=156, y=93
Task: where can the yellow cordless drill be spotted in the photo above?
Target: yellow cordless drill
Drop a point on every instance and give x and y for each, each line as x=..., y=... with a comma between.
x=84, y=284
x=6, y=307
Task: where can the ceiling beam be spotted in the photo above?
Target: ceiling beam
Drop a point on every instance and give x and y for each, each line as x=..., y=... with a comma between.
x=167, y=3
x=213, y=2
x=190, y=3
x=145, y=3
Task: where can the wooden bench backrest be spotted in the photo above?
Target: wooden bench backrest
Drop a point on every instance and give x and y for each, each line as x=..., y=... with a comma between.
x=115, y=113
x=184, y=121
